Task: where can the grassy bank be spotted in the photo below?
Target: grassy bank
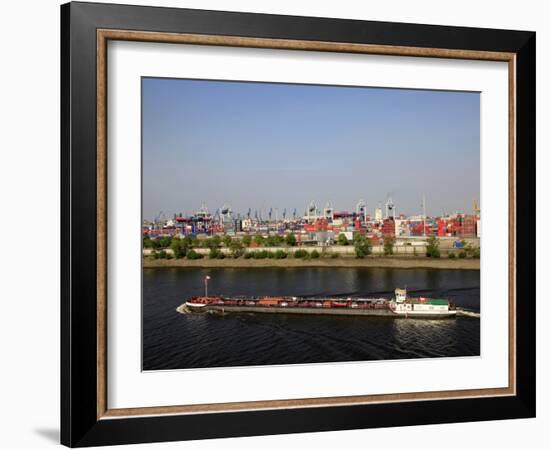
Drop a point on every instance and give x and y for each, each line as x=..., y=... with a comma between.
x=381, y=262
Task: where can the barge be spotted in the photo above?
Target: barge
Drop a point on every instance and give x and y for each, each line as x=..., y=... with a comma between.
x=399, y=306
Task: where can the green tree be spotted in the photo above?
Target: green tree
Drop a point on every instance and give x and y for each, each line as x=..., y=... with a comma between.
x=227, y=241
x=213, y=243
x=280, y=254
x=192, y=254
x=260, y=254
x=367, y=246
x=246, y=240
x=259, y=240
x=290, y=240
x=314, y=254
x=300, y=253
x=471, y=251
x=451, y=255
x=187, y=241
x=179, y=247
x=432, y=249
x=274, y=240
x=236, y=248
x=165, y=241
x=388, y=245
x=362, y=245
x=216, y=253
x=342, y=239
x=147, y=243
x=462, y=254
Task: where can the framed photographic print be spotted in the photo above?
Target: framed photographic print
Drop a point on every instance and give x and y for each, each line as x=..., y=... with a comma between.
x=276, y=224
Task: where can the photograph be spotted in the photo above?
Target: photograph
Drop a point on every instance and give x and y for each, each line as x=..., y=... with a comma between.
x=299, y=224
x=283, y=223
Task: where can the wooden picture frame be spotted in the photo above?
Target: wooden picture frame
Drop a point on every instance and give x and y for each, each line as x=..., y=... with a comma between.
x=86, y=418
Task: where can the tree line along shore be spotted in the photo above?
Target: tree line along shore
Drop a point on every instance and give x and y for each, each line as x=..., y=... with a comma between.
x=284, y=251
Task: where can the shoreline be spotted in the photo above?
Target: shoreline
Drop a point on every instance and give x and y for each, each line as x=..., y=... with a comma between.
x=372, y=262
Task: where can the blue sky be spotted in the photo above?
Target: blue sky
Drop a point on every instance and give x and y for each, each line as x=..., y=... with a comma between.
x=268, y=145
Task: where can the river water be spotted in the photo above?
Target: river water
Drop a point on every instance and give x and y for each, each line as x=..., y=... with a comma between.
x=177, y=341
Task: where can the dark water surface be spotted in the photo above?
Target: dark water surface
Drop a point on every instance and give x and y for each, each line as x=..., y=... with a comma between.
x=178, y=341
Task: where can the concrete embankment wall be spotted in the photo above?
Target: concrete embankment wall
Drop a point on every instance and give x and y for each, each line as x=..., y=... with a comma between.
x=389, y=262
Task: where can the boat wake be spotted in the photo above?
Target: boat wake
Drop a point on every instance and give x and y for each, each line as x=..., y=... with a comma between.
x=182, y=309
x=466, y=313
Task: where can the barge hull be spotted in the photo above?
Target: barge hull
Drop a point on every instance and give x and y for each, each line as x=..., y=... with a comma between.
x=314, y=311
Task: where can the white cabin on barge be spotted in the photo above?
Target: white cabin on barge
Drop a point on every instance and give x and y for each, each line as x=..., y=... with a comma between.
x=421, y=306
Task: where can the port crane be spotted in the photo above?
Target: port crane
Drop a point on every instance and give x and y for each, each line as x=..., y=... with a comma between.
x=390, y=208
x=424, y=215
x=361, y=209
x=160, y=217
x=329, y=211
x=475, y=208
x=226, y=212
x=312, y=210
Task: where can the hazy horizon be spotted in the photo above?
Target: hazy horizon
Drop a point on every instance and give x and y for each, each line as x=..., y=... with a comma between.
x=267, y=145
